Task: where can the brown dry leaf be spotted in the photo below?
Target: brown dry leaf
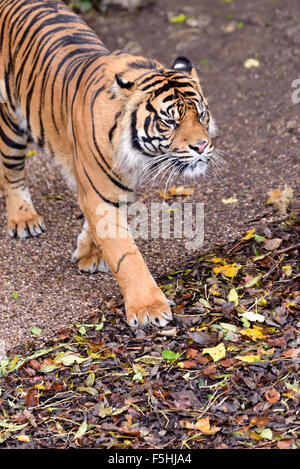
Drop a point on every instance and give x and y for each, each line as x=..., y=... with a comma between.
x=285, y=444
x=202, y=425
x=272, y=244
x=281, y=199
x=260, y=420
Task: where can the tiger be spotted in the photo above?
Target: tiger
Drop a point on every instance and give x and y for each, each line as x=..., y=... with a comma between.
x=108, y=118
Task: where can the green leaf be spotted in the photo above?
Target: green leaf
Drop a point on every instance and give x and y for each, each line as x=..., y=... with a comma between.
x=170, y=355
x=15, y=295
x=266, y=433
x=90, y=379
x=36, y=330
x=259, y=238
x=48, y=368
x=181, y=18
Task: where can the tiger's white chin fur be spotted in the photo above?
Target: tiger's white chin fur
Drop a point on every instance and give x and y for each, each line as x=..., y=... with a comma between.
x=134, y=165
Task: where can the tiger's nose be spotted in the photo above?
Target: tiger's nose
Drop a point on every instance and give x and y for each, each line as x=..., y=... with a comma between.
x=200, y=146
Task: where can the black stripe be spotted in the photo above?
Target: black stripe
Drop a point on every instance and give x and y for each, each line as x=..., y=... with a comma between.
x=16, y=166
x=109, y=202
x=10, y=143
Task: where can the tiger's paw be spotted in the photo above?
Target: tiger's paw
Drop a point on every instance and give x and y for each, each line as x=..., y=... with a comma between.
x=87, y=254
x=28, y=225
x=90, y=263
x=158, y=314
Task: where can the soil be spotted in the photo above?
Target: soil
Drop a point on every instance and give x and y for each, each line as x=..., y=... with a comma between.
x=259, y=131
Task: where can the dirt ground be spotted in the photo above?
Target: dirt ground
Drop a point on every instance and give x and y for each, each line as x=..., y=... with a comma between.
x=259, y=130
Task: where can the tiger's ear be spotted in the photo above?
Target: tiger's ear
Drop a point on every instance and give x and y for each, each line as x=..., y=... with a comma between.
x=123, y=86
x=183, y=64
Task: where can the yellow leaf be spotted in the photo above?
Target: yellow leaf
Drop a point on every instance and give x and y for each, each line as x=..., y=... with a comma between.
x=249, y=63
x=229, y=270
x=233, y=296
x=248, y=358
x=254, y=333
x=230, y=200
x=31, y=153
x=23, y=438
x=216, y=260
x=287, y=269
x=216, y=353
x=248, y=235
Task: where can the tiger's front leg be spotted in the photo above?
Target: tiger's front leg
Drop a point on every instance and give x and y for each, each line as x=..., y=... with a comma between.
x=144, y=301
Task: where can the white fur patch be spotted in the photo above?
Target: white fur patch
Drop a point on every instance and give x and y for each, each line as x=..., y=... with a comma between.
x=212, y=129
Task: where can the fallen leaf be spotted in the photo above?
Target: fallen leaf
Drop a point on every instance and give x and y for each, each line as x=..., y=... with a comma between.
x=266, y=434
x=176, y=191
x=230, y=200
x=32, y=398
x=272, y=395
x=272, y=244
x=187, y=364
x=181, y=18
x=170, y=355
x=81, y=430
x=253, y=316
x=216, y=353
x=254, y=333
x=36, y=330
x=249, y=63
x=285, y=444
x=68, y=358
x=23, y=438
x=248, y=235
x=202, y=425
x=233, y=296
x=248, y=358
x=260, y=420
x=253, y=281
x=229, y=270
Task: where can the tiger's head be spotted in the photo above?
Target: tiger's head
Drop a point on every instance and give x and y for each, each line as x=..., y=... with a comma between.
x=166, y=126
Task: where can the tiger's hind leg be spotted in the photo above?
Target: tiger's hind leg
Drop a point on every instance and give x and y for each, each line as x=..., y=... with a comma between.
x=23, y=220
x=87, y=254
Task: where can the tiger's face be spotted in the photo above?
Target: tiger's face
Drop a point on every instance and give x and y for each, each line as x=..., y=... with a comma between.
x=168, y=126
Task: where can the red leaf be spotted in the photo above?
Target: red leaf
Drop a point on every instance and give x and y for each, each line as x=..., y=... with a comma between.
x=31, y=398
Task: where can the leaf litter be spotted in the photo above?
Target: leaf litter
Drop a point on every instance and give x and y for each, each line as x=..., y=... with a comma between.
x=224, y=374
